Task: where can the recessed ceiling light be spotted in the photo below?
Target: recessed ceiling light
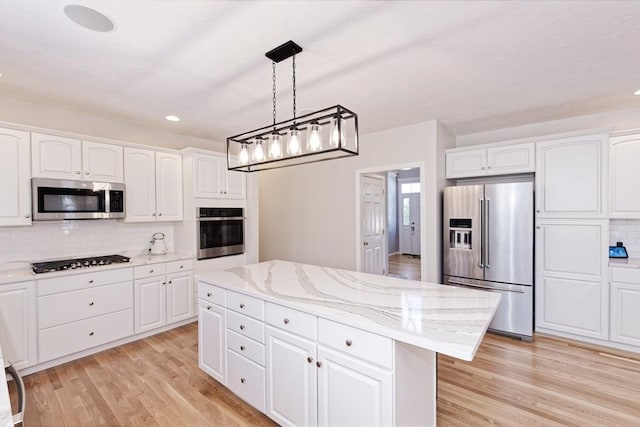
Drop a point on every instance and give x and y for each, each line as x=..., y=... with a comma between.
x=637, y=92
x=173, y=118
x=89, y=18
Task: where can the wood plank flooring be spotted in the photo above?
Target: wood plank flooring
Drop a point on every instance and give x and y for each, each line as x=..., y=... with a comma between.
x=157, y=382
x=406, y=266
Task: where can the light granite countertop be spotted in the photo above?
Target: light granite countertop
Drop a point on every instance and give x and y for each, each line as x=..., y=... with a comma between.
x=624, y=262
x=444, y=319
x=21, y=271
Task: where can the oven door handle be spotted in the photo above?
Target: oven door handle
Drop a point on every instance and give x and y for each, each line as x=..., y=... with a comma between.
x=11, y=371
x=228, y=218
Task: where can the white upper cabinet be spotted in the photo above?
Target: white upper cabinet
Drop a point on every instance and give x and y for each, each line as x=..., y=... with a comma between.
x=153, y=186
x=491, y=160
x=571, y=177
x=15, y=178
x=624, y=184
x=68, y=158
x=213, y=180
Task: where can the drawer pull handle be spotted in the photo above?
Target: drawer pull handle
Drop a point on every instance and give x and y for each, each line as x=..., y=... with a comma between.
x=310, y=359
x=91, y=303
x=241, y=305
x=286, y=321
x=242, y=380
x=348, y=343
x=241, y=348
x=242, y=327
x=208, y=307
x=90, y=334
x=208, y=294
x=319, y=364
x=91, y=281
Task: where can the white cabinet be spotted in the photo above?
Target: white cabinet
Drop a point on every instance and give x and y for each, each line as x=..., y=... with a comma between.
x=571, y=177
x=69, y=158
x=15, y=178
x=212, y=344
x=212, y=179
x=572, y=293
x=625, y=303
x=624, y=167
x=18, y=326
x=154, y=186
x=490, y=160
x=163, y=294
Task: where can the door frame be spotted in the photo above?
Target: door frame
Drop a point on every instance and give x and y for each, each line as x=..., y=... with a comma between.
x=383, y=169
x=385, y=243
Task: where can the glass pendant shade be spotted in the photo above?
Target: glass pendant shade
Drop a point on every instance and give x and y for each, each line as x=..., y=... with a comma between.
x=244, y=155
x=258, y=151
x=314, y=142
x=293, y=146
x=337, y=132
x=275, y=147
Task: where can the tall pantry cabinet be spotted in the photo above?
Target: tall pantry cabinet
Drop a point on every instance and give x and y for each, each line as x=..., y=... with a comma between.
x=572, y=295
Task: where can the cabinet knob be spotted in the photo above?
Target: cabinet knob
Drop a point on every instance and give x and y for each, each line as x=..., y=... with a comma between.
x=164, y=283
x=77, y=172
x=538, y=210
x=348, y=342
x=286, y=321
x=170, y=281
x=153, y=214
x=182, y=266
x=482, y=168
x=86, y=173
x=27, y=216
x=310, y=359
x=91, y=304
x=242, y=380
x=242, y=327
x=319, y=364
x=160, y=214
x=208, y=307
x=91, y=281
x=90, y=334
x=241, y=305
x=208, y=294
x=538, y=227
x=242, y=348
x=150, y=271
x=488, y=167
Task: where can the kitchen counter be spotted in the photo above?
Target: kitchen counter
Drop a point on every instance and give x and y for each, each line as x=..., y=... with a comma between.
x=443, y=319
x=624, y=262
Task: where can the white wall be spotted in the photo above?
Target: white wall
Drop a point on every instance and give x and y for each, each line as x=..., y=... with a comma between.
x=307, y=212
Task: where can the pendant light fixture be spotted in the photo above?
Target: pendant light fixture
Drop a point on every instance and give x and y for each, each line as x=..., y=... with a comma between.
x=326, y=134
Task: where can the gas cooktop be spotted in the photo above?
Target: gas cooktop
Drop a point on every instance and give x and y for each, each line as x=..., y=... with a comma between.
x=75, y=263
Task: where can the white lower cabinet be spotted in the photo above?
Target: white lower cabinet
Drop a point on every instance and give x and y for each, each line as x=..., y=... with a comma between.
x=18, y=326
x=211, y=340
x=625, y=306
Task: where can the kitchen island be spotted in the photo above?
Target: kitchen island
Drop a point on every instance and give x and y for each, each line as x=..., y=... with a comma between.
x=311, y=345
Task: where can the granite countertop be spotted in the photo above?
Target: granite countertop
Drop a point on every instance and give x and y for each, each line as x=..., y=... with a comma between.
x=444, y=319
x=21, y=271
x=624, y=262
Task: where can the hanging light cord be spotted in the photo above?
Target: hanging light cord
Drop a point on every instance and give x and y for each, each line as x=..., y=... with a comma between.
x=294, y=86
x=274, y=94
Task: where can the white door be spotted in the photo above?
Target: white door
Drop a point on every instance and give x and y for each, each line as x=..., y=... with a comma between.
x=150, y=296
x=410, y=223
x=373, y=220
x=179, y=297
x=56, y=157
x=291, y=379
x=211, y=340
x=169, y=186
x=102, y=162
x=18, y=327
x=15, y=178
x=140, y=182
x=206, y=170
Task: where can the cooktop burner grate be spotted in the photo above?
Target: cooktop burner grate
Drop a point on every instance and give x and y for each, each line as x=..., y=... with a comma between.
x=75, y=263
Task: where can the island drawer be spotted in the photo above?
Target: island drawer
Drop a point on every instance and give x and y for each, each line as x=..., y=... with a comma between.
x=356, y=342
x=82, y=281
x=211, y=293
x=246, y=347
x=246, y=379
x=246, y=326
x=179, y=266
x=625, y=275
x=246, y=305
x=149, y=270
x=293, y=321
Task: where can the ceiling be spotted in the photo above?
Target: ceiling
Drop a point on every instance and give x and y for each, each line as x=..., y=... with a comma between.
x=475, y=66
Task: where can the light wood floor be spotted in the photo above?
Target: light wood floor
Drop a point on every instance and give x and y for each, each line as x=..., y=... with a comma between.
x=406, y=266
x=157, y=382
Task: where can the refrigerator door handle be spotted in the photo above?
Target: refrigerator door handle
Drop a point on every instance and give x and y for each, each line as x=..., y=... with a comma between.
x=481, y=246
x=492, y=288
x=487, y=235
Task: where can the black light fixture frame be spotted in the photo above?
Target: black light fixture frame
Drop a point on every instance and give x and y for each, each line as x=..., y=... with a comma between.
x=284, y=51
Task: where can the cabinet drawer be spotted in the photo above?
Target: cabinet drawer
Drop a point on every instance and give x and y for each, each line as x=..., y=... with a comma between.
x=77, y=336
x=626, y=275
x=66, y=307
x=246, y=347
x=149, y=270
x=81, y=281
x=246, y=379
x=292, y=320
x=356, y=342
x=179, y=266
x=211, y=293
x=246, y=305
x=246, y=326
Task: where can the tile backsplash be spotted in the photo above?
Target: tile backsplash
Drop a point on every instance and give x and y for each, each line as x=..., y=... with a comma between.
x=628, y=232
x=62, y=239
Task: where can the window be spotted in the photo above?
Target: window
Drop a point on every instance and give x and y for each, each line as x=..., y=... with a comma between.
x=410, y=187
x=406, y=210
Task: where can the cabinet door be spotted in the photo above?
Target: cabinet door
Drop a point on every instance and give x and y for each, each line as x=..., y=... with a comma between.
x=466, y=163
x=55, y=157
x=15, y=178
x=625, y=315
x=179, y=297
x=140, y=182
x=352, y=392
x=102, y=162
x=150, y=297
x=18, y=328
x=571, y=176
x=624, y=155
x=206, y=179
x=169, y=186
x=212, y=345
x=519, y=158
x=291, y=379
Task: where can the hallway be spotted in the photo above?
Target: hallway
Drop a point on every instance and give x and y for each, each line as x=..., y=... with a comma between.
x=405, y=266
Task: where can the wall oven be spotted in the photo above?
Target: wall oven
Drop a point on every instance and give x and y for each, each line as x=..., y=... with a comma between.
x=55, y=199
x=220, y=232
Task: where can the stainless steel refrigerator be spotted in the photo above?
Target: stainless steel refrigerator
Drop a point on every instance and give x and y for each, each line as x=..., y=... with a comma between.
x=488, y=244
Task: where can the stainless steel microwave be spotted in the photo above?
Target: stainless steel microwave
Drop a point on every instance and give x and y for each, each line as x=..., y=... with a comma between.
x=55, y=199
